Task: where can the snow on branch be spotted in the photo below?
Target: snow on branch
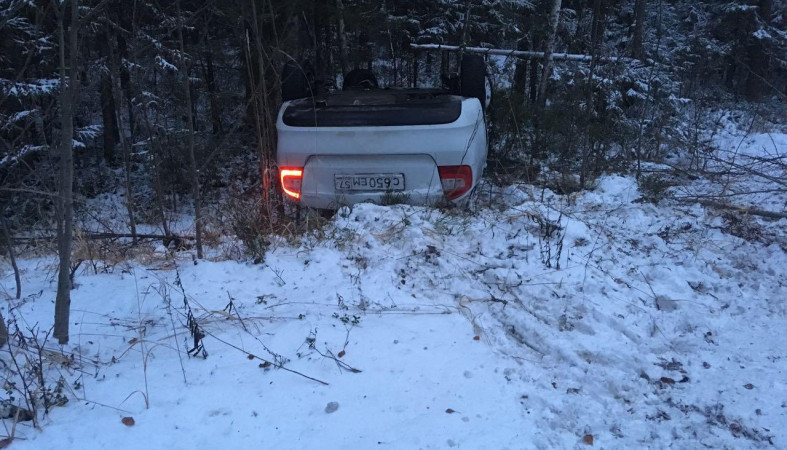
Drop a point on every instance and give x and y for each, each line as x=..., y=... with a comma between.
x=89, y=132
x=166, y=65
x=11, y=159
x=32, y=88
x=519, y=53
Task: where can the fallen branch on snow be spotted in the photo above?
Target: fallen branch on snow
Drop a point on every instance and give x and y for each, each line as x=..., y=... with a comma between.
x=746, y=210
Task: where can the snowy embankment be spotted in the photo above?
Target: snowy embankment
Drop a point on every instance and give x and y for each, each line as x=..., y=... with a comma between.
x=538, y=321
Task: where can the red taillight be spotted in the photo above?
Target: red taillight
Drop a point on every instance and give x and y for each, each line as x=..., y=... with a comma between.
x=291, y=178
x=456, y=180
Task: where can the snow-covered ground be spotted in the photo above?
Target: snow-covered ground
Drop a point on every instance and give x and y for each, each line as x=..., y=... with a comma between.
x=537, y=321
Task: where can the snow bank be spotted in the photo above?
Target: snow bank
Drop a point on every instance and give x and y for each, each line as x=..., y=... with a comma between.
x=529, y=324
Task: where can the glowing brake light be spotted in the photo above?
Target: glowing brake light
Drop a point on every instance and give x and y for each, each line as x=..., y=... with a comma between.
x=456, y=180
x=291, y=181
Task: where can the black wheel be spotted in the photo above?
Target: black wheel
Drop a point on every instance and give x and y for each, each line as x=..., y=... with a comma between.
x=473, y=82
x=359, y=79
x=451, y=83
x=296, y=81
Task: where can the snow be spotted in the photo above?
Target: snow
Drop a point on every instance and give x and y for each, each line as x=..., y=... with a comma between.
x=761, y=34
x=164, y=64
x=532, y=322
x=32, y=88
x=21, y=115
x=752, y=162
x=633, y=93
x=90, y=131
x=13, y=158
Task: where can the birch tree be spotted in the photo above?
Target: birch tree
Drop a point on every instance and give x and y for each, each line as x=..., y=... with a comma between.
x=554, y=16
x=195, y=184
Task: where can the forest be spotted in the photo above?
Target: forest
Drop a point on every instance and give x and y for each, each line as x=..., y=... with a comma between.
x=132, y=125
x=173, y=102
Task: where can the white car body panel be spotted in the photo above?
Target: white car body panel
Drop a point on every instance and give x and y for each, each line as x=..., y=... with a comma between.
x=413, y=150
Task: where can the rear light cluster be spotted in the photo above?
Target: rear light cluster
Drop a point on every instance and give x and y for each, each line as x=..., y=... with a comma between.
x=291, y=180
x=456, y=180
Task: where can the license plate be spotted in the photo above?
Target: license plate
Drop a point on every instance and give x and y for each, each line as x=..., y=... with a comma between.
x=369, y=182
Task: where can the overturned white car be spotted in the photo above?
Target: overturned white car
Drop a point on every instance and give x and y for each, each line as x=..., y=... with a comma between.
x=419, y=146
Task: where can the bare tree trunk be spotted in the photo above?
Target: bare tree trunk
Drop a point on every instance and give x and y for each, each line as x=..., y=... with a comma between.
x=110, y=129
x=343, y=52
x=759, y=61
x=64, y=203
x=210, y=79
x=520, y=72
x=255, y=100
x=639, y=29
x=249, y=67
x=3, y=331
x=415, y=69
x=659, y=30
x=158, y=155
x=597, y=26
x=596, y=35
x=195, y=187
x=533, y=80
x=114, y=76
x=554, y=16
x=391, y=42
x=266, y=138
x=12, y=256
x=157, y=185
x=465, y=25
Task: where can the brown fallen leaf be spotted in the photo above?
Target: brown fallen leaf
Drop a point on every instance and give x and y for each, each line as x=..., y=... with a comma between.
x=250, y=356
x=128, y=421
x=6, y=442
x=341, y=353
x=449, y=411
x=265, y=365
x=667, y=380
x=133, y=341
x=748, y=386
x=554, y=385
x=588, y=439
x=476, y=338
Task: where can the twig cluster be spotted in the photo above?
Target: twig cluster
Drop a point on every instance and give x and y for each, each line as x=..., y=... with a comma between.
x=195, y=330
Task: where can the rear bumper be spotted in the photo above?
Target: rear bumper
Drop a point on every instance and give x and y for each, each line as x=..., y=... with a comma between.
x=336, y=201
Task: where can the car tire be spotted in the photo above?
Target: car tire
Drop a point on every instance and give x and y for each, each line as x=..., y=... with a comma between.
x=296, y=81
x=473, y=82
x=359, y=79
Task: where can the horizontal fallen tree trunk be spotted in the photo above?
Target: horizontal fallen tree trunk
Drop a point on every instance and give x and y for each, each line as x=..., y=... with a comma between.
x=98, y=236
x=138, y=236
x=743, y=209
x=520, y=53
